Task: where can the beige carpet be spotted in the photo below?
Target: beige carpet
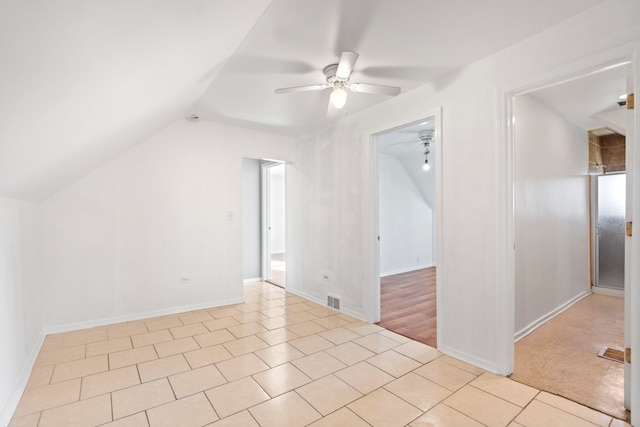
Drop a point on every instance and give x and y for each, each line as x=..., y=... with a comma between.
x=561, y=356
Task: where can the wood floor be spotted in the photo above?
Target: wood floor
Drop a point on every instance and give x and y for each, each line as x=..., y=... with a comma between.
x=408, y=305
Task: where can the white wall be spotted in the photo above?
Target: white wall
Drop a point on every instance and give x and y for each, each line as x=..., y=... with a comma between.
x=251, y=213
x=20, y=296
x=332, y=181
x=117, y=241
x=552, y=212
x=406, y=231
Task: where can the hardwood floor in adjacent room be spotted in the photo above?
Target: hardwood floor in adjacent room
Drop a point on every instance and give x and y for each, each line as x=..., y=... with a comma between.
x=408, y=304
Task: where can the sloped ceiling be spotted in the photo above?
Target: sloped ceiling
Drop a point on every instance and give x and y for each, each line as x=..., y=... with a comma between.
x=82, y=81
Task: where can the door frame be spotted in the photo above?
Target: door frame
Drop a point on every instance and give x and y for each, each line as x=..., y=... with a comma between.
x=372, y=227
x=264, y=217
x=505, y=259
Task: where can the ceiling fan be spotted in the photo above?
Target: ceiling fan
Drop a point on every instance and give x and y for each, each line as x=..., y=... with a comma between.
x=337, y=77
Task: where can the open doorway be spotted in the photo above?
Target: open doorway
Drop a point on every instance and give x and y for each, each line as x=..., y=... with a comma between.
x=407, y=243
x=274, y=223
x=565, y=331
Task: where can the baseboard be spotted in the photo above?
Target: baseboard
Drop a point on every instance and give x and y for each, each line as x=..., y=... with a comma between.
x=406, y=270
x=542, y=320
x=138, y=316
x=255, y=279
x=345, y=309
x=20, y=383
x=469, y=358
x=608, y=291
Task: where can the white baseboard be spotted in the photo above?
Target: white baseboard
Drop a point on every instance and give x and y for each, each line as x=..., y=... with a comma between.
x=553, y=313
x=406, y=270
x=6, y=412
x=608, y=291
x=56, y=329
x=344, y=309
x=468, y=358
x=255, y=279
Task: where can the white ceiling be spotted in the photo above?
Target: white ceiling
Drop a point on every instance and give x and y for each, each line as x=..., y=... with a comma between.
x=83, y=81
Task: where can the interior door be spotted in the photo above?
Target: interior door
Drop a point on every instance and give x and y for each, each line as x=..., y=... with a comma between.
x=610, y=231
x=274, y=211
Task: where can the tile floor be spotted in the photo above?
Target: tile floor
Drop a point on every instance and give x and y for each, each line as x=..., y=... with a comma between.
x=277, y=360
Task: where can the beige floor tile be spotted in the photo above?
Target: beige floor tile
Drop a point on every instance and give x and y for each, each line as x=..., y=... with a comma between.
x=164, y=367
x=301, y=317
x=52, y=342
x=350, y=353
x=84, y=336
x=460, y=364
x=505, y=388
x=26, y=421
x=195, y=317
x=224, y=312
x=364, y=377
x=89, y=413
x=281, y=379
x=279, y=354
x=243, y=419
x=287, y=410
x=538, y=414
x=339, y=335
x=196, y=380
x=241, y=366
x=79, y=368
x=574, y=408
x=619, y=423
x=150, y=338
x=141, y=397
x=331, y=322
x=137, y=420
x=443, y=415
x=318, y=365
x=394, y=363
x=217, y=324
x=376, y=343
x=246, y=329
x=170, y=348
x=188, y=330
x=40, y=376
x=132, y=357
x=299, y=307
x=207, y=356
x=191, y=411
x=109, y=346
x=245, y=345
x=274, y=323
x=382, y=408
x=277, y=336
x=159, y=323
x=273, y=312
x=126, y=330
x=214, y=338
x=418, y=391
x=446, y=375
x=236, y=396
x=362, y=328
x=306, y=328
x=311, y=344
x=328, y=394
x=483, y=407
x=249, y=317
x=341, y=418
x=324, y=312
x=47, y=397
x=418, y=351
x=60, y=355
x=106, y=382
x=394, y=336
x=250, y=307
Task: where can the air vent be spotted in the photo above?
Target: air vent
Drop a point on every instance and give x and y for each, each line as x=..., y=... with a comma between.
x=333, y=302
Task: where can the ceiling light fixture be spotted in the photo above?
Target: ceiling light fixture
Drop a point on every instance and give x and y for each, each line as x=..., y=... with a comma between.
x=426, y=166
x=623, y=96
x=426, y=136
x=338, y=96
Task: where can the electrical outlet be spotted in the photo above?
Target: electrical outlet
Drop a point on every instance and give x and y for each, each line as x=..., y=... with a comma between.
x=184, y=280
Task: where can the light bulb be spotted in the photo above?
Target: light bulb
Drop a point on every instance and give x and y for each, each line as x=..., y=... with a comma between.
x=338, y=97
x=623, y=96
x=426, y=166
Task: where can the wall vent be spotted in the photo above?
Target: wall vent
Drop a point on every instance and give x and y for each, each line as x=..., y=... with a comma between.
x=333, y=302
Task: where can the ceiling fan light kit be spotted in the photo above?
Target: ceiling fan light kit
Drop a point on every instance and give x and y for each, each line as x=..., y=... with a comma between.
x=337, y=77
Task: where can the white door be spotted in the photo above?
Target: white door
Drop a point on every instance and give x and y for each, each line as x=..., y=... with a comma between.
x=274, y=220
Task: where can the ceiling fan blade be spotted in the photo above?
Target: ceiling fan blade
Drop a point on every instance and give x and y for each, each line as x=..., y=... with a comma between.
x=374, y=89
x=307, y=88
x=345, y=66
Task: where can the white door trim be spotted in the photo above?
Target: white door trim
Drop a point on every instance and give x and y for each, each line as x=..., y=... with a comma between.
x=372, y=222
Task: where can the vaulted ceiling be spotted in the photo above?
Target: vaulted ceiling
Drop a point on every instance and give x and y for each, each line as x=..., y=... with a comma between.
x=81, y=81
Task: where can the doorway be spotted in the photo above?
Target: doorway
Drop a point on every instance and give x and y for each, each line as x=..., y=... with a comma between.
x=274, y=223
x=407, y=245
